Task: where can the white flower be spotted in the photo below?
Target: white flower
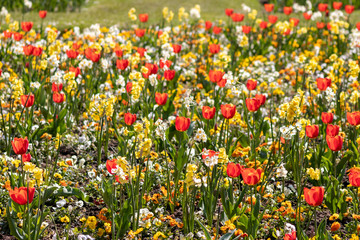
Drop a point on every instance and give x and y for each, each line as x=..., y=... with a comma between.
x=60, y=203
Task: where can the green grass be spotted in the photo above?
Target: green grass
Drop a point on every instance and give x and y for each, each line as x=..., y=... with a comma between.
x=111, y=12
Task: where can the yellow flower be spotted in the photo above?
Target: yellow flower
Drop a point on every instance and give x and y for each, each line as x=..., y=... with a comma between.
x=65, y=219
x=91, y=222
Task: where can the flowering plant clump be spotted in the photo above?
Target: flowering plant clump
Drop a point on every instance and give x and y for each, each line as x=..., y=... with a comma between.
x=246, y=128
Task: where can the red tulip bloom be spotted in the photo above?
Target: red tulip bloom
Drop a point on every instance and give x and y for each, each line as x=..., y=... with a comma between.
x=141, y=51
x=128, y=87
x=312, y=131
x=332, y=130
x=246, y=29
x=323, y=83
x=358, y=26
x=252, y=104
x=208, y=112
x=233, y=170
x=221, y=83
x=20, y=145
x=122, y=64
x=28, y=50
x=263, y=25
x=27, y=26
x=56, y=87
x=208, y=25
x=322, y=7
x=42, y=14
x=26, y=157
x=72, y=53
x=58, y=97
x=349, y=9
x=129, y=119
x=228, y=110
x=215, y=75
x=291, y=236
x=182, y=123
x=118, y=52
x=217, y=30
x=214, y=48
x=327, y=117
x=353, y=118
x=22, y=195
x=27, y=100
x=111, y=165
x=176, y=48
x=288, y=10
x=269, y=7
x=337, y=5
x=354, y=177
x=295, y=21
x=307, y=16
x=237, y=17
x=251, y=84
x=334, y=143
x=272, y=19
x=251, y=176
x=37, y=51
x=229, y=11
x=261, y=98
x=166, y=63
x=161, y=98
x=143, y=17
x=320, y=25
x=7, y=34
x=169, y=74
x=75, y=70
x=140, y=32
x=17, y=36
x=314, y=196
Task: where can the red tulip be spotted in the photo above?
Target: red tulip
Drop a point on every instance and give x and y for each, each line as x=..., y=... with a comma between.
x=141, y=51
x=26, y=157
x=111, y=165
x=349, y=9
x=261, y=98
x=251, y=84
x=22, y=195
x=228, y=110
x=169, y=74
x=233, y=170
x=295, y=21
x=208, y=25
x=252, y=104
x=128, y=87
x=139, y=32
x=288, y=10
x=176, y=48
x=28, y=50
x=246, y=29
x=37, y=51
x=237, y=17
x=182, y=123
x=56, y=87
x=118, y=52
x=58, y=97
x=75, y=70
x=27, y=100
x=323, y=83
x=215, y=75
x=7, y=34
x=291, y=236
x=332, y=130
x=251, y=176
x=72, y=54
x=263, y=25
x=27, y=26
x=334, y=143
x=217, y=30
x=322, y=7
x=214, y=48
x=327, y=117
x=269, y=7
x=320, y=25
x=17, y=36
x=143, y=17
x=307, y=16
x=122, y=64
x=314, y=196
x=42, y=14
x=129, y=119
x=354, y=177
x=208, y=112
x=337, y=5
x=221, y=83
x=353, y=118
x=163, y=63
x=20, y=145
x=161, y=98
x=272, y=19
x=312, y=131
x=229, y=11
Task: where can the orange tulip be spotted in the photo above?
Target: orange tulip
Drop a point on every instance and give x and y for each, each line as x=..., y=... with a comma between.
x=237, y=17
x=314, y=196
x=291, y=236
x=288, y=10
x=228, y=110
x=354, y=177
x=233, y=170
x=327, y=117
x=129, y=119
x=353, y=118
x=208, y=112
x=251, y=176
x=122, y=64
x=337, y=5
x=215, y=76
x=20, y=145
x=323, y=83
x=182, y=123
x=334, y=143
x=251, y=84
x=22, y=195
x=27, y=100
x=27, y=26
x=214, y=48
x=252, y=104
x=332, y=130
x=143, y=17
x=272, y=19
x=161, y=98
x=269, y=7
x=312, y=131
x=58, y=97
x=111, y=165
x=42, y=14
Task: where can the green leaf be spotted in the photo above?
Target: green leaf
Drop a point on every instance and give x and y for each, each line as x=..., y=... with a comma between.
x=206, y=232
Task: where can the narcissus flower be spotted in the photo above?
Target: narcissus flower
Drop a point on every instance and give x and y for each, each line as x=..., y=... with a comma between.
x=129, y=118
x=208, y=112
x=233, y=170
x=228, y=110
x=182, y=123
x=251, y=176
x=314, y=196
x=22, y=195
x=334, y=143
x=353, y=118
x=161, y=98
x=27, y=100
x=312, y=131
x=20, y=145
